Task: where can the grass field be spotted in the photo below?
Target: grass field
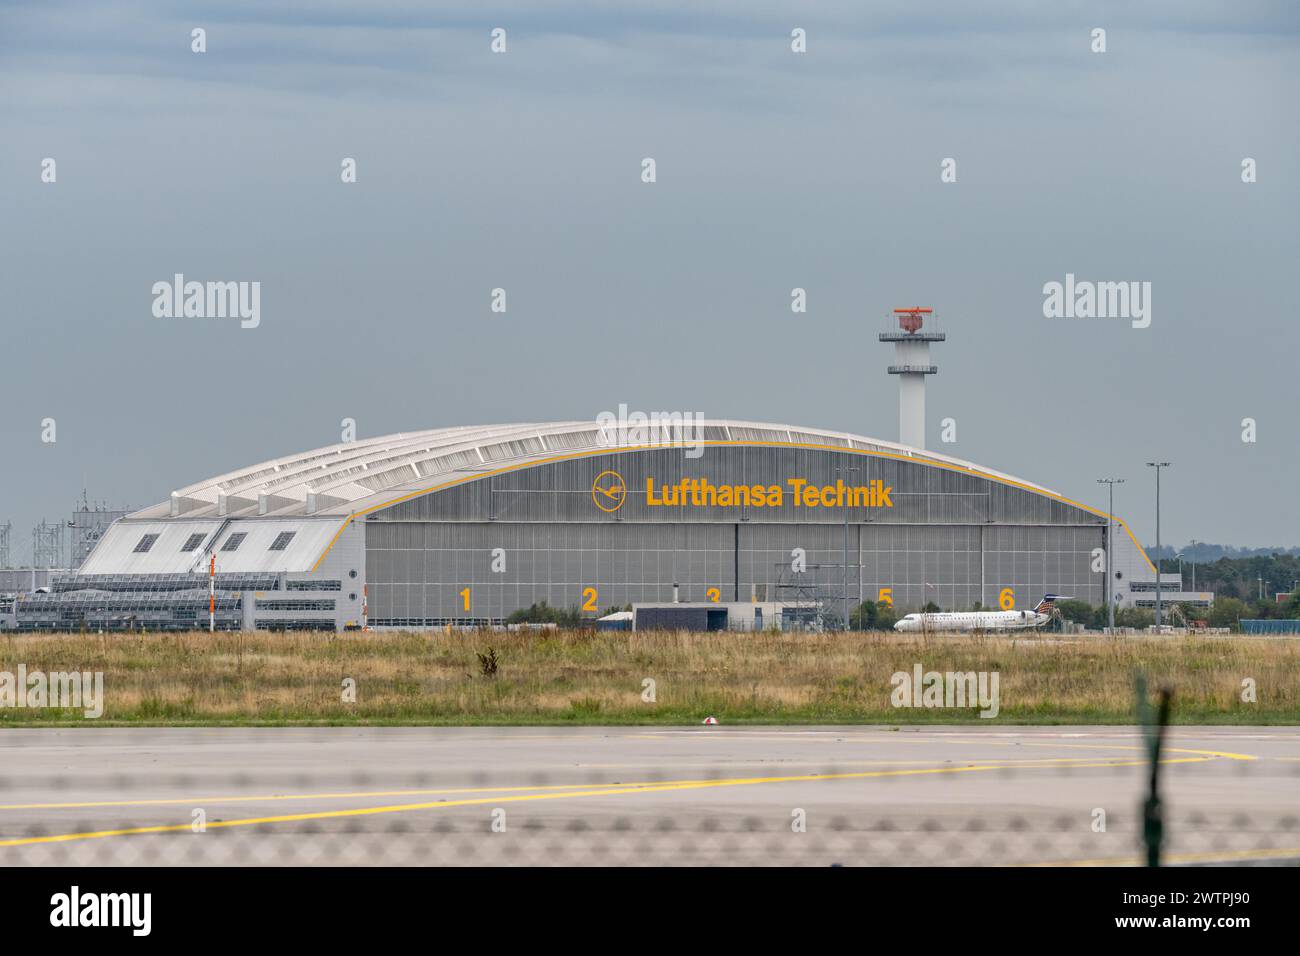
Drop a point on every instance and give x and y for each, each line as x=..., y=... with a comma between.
x=584, y=677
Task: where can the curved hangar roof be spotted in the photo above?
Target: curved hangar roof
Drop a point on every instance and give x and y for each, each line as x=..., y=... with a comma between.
x=359, y=475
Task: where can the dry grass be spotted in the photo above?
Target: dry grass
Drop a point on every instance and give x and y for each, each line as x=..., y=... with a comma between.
x=585, y=677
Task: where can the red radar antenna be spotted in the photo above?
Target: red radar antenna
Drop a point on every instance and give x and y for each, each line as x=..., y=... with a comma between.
x=911, y=320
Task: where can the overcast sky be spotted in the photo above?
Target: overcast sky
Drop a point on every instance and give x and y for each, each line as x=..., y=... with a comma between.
x=775, y=170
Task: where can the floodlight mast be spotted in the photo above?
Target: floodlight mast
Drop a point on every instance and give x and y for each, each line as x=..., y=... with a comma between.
x=1158, y=465
x=1110, y=531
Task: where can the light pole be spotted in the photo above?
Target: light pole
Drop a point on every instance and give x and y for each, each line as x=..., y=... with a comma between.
x=1157, y=465
x=1192, y=558
x=1179, y=556
x=850, y=470
x=1110, y=527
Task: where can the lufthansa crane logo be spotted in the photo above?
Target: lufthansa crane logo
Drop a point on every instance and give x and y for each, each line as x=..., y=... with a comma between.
x=609, y=491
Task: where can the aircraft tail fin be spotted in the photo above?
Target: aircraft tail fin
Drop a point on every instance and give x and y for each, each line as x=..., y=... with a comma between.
x=1048, y=604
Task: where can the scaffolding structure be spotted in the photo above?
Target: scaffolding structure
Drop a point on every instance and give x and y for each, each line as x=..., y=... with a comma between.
x=818, y=601
x=87, y=526
x=47, y=545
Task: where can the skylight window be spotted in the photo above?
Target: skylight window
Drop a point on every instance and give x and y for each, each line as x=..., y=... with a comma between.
x=234, y=541
x=145, y=543
x=282, y=540
x=192, y=542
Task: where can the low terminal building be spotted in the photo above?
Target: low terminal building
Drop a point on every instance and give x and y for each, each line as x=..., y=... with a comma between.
x=464, y=526
x=1142, y=594
x=729, y=616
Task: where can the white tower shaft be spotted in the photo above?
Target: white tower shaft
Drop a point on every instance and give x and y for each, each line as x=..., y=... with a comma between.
x=911, y=392
x=911, y=365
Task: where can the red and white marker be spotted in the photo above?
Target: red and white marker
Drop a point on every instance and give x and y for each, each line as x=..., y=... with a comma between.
x=710, y=720
x=212, y=594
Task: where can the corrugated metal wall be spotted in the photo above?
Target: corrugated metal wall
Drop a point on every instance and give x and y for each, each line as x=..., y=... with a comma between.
x=950, y=537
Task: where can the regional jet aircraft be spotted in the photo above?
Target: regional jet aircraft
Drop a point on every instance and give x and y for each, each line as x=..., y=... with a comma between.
x=983, y=620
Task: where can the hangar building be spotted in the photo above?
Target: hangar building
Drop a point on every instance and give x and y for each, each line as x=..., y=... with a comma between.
x=462, y=526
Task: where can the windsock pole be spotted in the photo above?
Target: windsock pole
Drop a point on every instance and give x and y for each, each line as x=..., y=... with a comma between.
x=212, y=595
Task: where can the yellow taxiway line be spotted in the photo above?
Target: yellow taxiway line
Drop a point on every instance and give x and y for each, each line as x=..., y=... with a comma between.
x=1010, y=763
x=255, y=798
x=603, y=790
